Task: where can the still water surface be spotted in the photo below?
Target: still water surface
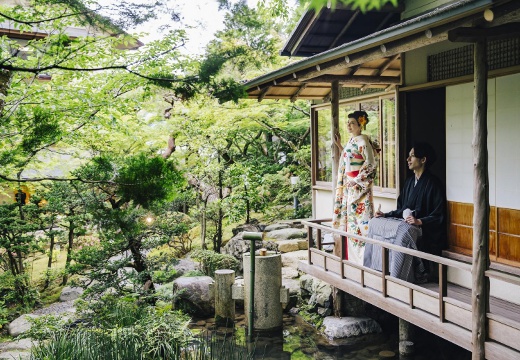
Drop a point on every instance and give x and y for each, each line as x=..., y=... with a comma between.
x=300, y=341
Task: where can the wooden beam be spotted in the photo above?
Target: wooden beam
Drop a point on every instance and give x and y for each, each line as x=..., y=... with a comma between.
x=344, y=30
x=356, y=79
x=479, y=282
x=262, y=93
x=295, y=95
x=470, y=34
x=386, y=64
x=396, y=47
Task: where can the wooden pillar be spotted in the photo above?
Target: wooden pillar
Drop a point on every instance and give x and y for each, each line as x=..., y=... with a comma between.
x=337, y=296
x=335, y=151
x=480, y=284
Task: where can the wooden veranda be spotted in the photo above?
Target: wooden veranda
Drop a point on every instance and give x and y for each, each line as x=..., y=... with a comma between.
x=442, y=308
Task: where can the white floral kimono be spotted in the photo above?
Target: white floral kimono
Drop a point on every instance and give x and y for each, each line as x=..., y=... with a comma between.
x=354, y=206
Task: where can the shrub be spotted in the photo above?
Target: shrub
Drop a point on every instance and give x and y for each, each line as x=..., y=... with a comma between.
x=211, y=261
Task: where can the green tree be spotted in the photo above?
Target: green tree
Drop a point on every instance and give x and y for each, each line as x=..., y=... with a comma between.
x=127, y=192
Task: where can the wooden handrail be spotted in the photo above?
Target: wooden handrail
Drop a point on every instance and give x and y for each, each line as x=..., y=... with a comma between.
x=434, y=258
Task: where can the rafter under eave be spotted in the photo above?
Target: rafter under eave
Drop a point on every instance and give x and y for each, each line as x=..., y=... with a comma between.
x=356, y=79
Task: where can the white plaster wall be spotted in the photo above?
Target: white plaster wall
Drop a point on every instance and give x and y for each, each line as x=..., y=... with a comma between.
x=459, y=136
x=323, y=204
x=503, y=150
x=507, y=161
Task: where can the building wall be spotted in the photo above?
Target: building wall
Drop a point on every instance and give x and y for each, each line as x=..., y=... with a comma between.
x=503, y=145
x=503, y=149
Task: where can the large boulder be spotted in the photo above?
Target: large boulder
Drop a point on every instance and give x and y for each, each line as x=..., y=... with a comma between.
x=338, y=328
x=237, y=246
x=182, y=266
x=320, y=292
x=193, y=295
x=20, y=324
x=70, y=293
x=19, y=349
x=286, y=234
x=252, y=227
x=276, y=226
x=291, y=259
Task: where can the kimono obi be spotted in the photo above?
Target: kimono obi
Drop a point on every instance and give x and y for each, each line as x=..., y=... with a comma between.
x=356, y=161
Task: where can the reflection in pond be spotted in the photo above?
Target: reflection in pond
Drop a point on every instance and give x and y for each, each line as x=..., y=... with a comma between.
x=300, y=341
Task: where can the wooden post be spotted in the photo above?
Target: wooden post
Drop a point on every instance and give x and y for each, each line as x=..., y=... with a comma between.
x=480, y=284
x=385, y=269
x=443, y=289
x=337, y=297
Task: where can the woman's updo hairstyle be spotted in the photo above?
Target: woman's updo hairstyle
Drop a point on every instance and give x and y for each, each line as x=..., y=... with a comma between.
x=361, y=117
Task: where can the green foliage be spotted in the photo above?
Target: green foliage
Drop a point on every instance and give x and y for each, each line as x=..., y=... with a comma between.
x=194, y=273
x=4, y=314
x=164, y=276
x=145, y=179
x=18, y=293
x=44, y=327
x=311, y=317
x=115, y=328
x=211, y=261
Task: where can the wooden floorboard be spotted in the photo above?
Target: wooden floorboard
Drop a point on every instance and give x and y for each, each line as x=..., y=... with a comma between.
x=497, y=306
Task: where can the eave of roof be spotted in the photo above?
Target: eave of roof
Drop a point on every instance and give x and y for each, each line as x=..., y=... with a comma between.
x=440, y=15
x=311, y=25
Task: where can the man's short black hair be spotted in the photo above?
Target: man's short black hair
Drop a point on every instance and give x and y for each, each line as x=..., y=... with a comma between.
x=423, y=149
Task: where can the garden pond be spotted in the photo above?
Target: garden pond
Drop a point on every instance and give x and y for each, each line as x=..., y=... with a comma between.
x=299, y=341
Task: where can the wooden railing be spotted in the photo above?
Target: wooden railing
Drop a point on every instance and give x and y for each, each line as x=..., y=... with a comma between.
x=419, y=304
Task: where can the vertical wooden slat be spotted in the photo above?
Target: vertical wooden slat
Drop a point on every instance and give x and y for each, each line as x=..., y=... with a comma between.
x=384, y=269
x=443, y=289
x=309, y=245
x=410, y=293
x=318, y=239
x=480, y=284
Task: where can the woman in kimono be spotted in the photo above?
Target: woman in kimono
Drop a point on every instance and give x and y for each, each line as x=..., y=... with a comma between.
x=354, y=207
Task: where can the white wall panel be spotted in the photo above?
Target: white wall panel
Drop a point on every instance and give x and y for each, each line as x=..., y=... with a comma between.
x=508, y=142
x=459, y=135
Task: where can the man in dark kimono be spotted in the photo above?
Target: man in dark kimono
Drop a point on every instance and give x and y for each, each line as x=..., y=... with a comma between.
x=423, y=201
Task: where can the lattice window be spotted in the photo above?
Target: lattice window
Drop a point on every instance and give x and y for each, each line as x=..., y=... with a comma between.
x=349, y=92
x=459, y=62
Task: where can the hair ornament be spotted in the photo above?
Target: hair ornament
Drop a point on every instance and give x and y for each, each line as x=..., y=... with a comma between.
x=362, y=121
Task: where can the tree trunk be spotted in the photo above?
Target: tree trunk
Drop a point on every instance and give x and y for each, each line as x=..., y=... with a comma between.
x=480, y=283
x=140, y=265
x=203, y=224
x=49, y=261
x=248, y=206
x=218, y=236
x=69, y=253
